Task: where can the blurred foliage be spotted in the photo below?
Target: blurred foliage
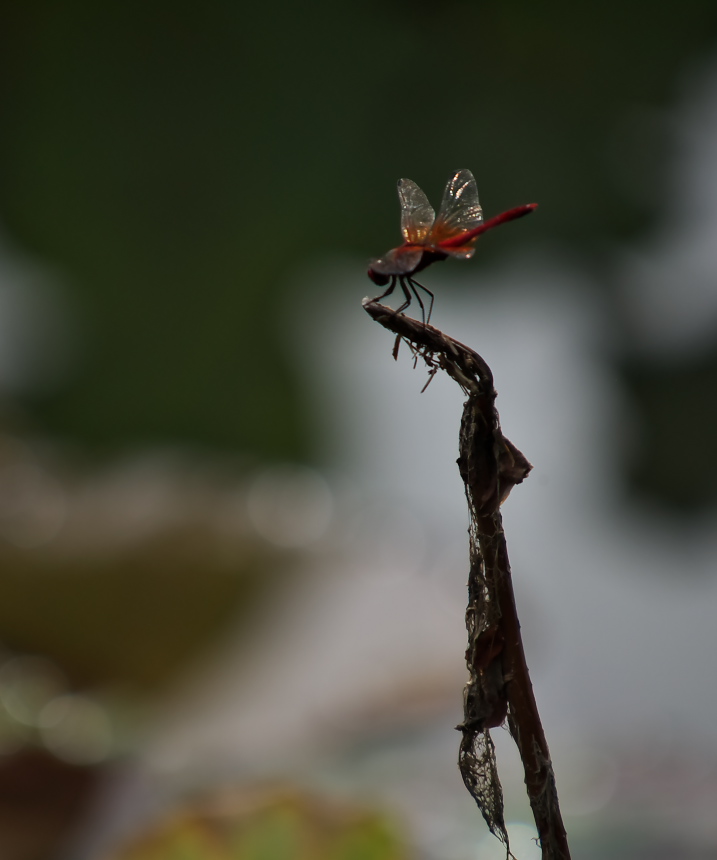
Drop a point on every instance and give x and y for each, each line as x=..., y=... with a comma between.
x=175, y=162
x=121, y=574
x=263, y=826
x=131, y=617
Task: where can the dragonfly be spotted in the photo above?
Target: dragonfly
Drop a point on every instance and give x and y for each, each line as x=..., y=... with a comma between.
x=429, y=239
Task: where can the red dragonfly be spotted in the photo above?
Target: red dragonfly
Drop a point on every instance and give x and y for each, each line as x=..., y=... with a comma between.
x=428, y=239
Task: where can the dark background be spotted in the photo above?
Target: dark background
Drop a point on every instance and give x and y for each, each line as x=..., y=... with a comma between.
x=174, y=161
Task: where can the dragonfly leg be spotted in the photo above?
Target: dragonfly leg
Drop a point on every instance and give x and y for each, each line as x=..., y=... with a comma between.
x=390, y=289
x=402, y=281
x=412, y=285
x=415, y=284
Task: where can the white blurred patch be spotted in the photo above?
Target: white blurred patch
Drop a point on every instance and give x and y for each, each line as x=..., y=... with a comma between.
x=588, y=778
x=670, y=283
x=38, y=333
x=290, y=506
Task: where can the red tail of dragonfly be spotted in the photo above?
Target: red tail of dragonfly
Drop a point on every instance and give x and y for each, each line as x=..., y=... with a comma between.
x=428, y=239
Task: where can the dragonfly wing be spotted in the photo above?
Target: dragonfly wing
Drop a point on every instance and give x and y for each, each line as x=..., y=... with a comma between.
x=417, y=215
x=460, y=209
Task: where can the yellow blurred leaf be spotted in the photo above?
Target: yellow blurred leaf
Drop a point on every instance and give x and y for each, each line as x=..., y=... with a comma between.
x=271, y=825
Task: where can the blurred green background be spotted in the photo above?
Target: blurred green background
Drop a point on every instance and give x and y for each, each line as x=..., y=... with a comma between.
x=175, y=161
x=173, y=166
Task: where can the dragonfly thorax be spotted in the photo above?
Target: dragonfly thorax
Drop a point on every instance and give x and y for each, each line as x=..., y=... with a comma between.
x=404, y=260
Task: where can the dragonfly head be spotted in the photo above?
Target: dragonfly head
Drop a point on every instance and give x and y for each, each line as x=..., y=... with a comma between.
x=378, y=277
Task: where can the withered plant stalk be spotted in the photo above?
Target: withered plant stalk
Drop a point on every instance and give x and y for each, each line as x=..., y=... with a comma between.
x=499, y=685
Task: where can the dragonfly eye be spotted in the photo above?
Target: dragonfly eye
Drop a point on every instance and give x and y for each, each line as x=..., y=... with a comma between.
x=378, y=279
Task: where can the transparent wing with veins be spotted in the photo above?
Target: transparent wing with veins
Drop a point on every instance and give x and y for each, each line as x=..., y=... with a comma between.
x=460, y=211
x=417, y=215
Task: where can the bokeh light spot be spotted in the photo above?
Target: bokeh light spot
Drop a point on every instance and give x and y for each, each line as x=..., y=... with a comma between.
x=76, y=729
x=27, y=685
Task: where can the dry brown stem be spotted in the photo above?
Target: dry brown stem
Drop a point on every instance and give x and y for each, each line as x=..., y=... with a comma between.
x=499, y=684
